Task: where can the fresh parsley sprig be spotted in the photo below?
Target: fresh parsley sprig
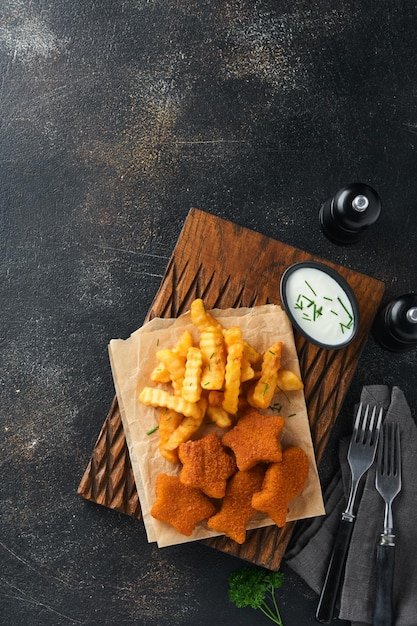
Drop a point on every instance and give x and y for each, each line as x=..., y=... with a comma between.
x=255, y=587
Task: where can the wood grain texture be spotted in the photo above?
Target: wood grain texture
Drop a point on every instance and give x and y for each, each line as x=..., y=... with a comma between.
x=231, y=266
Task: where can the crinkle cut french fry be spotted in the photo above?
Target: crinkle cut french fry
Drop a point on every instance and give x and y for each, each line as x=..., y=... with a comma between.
x=289, y=381
x=191, y=384
x=169, y=420
x=175, y=365
x=152, y=396
x=234, y=343
x=160, y=373
x=187, y=428
x=183, y=344
x=253, y=355
x=214, y=358
x=261, y=394
x=247, y=372
x=215, y=398
x=200, y=317
x=219, y=416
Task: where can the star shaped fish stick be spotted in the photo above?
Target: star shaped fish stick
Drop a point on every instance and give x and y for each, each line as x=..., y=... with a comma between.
x=236, y=509
x=255, y=439
x=179, y=505
x=206, y=465
x=283, y=482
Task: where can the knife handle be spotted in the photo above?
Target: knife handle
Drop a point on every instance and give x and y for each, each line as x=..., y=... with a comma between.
x=385, y=557
x=332, y=582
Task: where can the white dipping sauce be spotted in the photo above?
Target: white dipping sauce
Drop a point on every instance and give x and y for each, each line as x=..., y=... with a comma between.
x=320, y=306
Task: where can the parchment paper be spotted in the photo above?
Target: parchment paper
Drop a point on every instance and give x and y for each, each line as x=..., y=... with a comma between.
x=132, y=361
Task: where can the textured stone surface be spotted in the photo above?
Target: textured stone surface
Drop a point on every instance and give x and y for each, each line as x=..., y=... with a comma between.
x=116, y=118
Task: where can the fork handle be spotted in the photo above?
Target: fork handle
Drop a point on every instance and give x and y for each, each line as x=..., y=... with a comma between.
x=385, y=556
x=331, y=586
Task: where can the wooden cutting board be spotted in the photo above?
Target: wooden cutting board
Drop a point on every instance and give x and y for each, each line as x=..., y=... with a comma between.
x=231, y=266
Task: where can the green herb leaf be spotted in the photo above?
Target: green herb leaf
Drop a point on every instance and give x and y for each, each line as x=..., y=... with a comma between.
x=276, y=407
x=284, y=394
x=255, y=587
x=310, y=287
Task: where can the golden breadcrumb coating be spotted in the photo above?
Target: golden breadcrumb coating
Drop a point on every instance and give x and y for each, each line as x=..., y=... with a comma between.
x=179, y=505
x=283, y=482
x=206, y=465
x=255, y=439
x=236, y=509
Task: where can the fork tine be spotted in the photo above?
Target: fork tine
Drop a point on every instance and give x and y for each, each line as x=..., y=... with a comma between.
x=377, y=430
x=358, y=418
x=383, y=451
x=398, y=450
x=389, y=453
x=382, y=455
x=368, y=432
x=359, y=423
x=388, y=450
x=394, y=453
x=365, y=430
x=372, y=434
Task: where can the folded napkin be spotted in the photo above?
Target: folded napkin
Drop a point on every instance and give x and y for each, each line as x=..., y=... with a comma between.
x=310, y=549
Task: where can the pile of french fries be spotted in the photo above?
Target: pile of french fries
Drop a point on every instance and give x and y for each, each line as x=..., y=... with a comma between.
x=212, y=380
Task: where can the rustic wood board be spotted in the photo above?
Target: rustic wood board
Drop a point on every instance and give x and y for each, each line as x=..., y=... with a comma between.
x=230, y=266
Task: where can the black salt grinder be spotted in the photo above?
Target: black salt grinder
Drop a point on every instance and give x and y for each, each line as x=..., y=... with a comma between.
x=345, y=217
x=395, y=326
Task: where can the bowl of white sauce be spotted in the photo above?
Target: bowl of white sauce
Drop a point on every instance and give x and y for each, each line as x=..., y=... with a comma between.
x=320, y=304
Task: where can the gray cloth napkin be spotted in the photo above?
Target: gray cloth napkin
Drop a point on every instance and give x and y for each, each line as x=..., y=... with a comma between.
x=311, y=546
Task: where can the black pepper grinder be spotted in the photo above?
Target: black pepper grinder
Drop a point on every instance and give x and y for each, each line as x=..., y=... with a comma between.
x=395, y=326
x=345, y=217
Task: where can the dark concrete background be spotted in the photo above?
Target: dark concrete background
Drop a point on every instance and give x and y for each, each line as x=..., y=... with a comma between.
x=116, y=118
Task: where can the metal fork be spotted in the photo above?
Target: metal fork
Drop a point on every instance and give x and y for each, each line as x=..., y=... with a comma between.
x=361, y=455
x=388, y=483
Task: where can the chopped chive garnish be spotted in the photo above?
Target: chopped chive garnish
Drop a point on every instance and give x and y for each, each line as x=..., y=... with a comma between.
x=291, y=414
x=310, y=287
x=150, y=432
x=343, y=306
x=276, y=407
x=327, y=298
x=347, y=326
x=283, y=392
x=266, y=388
x=317, y=312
